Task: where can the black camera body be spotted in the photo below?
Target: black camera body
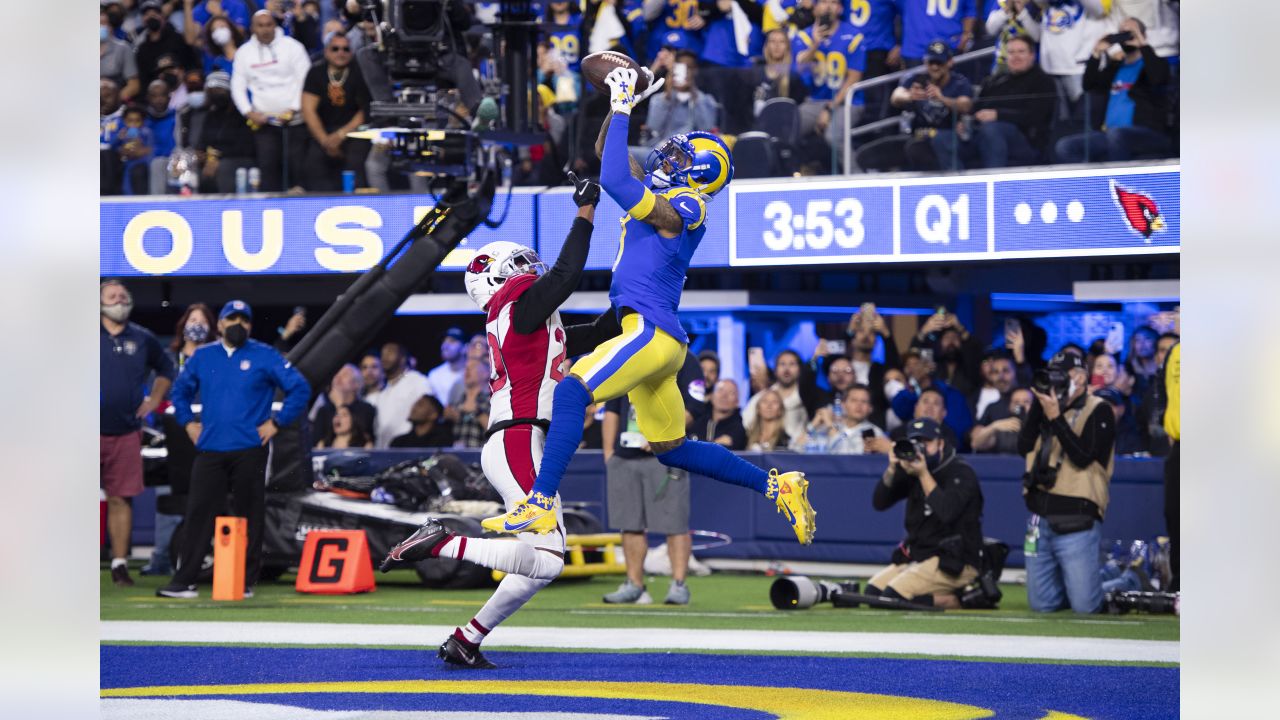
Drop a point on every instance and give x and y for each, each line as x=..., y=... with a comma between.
x=1119, y=37
x=1047, y=382
x=906, y=450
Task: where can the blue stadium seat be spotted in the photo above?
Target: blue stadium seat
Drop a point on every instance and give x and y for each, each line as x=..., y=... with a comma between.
x=754, y=156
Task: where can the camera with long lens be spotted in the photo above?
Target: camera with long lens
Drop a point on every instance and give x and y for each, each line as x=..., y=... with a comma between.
x=1154, y=603
x=1050, y=382
x=797, y=592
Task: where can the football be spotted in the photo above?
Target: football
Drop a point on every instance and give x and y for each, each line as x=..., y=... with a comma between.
x=597, y=65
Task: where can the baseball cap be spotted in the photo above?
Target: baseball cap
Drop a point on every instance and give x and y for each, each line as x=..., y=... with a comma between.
x=1066, y=361
x=938, y=51
x=456, y=334
x=924, y=429
x=236, y=307
x=217, y=79
x=146, y=5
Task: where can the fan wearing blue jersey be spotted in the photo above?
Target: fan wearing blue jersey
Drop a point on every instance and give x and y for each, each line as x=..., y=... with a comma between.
x=666, y=211
x=675, y=24
x=830, y=57
x=565, y=34
x=924, y=21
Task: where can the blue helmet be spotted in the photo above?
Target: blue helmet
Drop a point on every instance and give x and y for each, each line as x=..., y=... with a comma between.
x=696, y=160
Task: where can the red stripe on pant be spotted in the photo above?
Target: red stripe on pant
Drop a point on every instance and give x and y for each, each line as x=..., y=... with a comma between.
x=517, y=445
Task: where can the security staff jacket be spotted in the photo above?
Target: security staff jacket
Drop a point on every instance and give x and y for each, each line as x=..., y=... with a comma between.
x=947, y=522
x=237, y=388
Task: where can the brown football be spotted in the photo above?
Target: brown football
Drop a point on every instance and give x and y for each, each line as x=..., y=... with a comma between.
x=597, y=65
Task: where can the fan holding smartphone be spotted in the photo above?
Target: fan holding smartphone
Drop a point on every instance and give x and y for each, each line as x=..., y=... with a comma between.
x=846, y=432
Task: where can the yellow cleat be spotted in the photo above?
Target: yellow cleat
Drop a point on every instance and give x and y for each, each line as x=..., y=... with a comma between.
x=527, y=517
x=791, y=493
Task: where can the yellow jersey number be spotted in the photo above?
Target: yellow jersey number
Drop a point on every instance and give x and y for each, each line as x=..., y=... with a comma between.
x=859, y=12
x=682, y=12
x=568, y=47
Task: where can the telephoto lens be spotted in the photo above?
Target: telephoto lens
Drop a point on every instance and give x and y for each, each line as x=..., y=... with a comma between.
x=904, y=450
x=797, y=592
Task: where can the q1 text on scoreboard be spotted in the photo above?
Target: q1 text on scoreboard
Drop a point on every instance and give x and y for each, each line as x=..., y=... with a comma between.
x=1071, y=213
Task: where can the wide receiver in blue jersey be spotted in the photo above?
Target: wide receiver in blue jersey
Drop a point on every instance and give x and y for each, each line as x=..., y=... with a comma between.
x=666, y=208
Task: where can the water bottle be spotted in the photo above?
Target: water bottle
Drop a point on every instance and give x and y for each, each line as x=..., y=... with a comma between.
x=837, y=409
x=242, y=181
x=255, y=179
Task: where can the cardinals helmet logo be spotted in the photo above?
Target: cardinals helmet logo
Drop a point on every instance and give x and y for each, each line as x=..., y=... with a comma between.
x=1140, y=211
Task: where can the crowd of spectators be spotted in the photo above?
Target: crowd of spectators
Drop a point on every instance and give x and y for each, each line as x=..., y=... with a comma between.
x=194, y=90
x=843, y=402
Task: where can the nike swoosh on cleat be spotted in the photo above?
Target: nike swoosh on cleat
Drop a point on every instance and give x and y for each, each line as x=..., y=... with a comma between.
x=791, y=518
x=516, y=528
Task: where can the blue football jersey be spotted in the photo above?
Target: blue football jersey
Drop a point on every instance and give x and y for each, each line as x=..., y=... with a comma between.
x=834, y=58
x=649, y=270
x=924, y=21
x=874, y=19
x=671, y=28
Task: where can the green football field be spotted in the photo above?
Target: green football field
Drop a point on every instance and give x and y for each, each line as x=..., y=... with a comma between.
x=720, y=601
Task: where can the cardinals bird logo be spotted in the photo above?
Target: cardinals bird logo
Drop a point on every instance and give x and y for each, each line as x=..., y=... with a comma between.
x=1140, y=211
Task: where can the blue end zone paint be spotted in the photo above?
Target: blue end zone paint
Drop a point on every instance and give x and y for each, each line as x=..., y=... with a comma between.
x=1013, y=691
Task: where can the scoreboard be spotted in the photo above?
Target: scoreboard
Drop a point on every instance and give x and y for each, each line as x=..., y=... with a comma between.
x=1088, y=212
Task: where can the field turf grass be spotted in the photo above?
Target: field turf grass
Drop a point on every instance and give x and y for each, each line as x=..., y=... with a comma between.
x=720, y=601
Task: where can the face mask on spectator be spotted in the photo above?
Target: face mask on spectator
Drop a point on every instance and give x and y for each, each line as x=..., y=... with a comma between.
x=221, y=35
x=196, y=332
x=119, y=312
x=153, y=23
x=893, y=387
x=171, y=79
x=236, y=335
x=103, y=33
x=115, y=17
x=195, y=100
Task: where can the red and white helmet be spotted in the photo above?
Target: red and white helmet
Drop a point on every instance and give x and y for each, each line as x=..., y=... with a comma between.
x=496, y=262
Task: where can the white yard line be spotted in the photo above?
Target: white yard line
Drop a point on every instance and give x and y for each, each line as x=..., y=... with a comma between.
x=994, y=646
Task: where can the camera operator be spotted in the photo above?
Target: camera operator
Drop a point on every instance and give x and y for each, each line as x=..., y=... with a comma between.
x=942, y=550
x=1069, y=442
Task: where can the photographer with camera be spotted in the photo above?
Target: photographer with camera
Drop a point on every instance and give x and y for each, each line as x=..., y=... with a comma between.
x=1069, y=443
x=943, y=547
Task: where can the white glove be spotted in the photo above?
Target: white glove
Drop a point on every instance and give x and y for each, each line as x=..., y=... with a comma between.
x=622, y=85
x=653, y=86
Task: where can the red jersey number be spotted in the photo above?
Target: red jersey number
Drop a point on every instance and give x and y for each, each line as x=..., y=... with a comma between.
x=556, y=373
x=498, y=377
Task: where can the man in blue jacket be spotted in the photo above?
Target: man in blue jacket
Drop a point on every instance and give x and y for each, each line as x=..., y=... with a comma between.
x=237, y=378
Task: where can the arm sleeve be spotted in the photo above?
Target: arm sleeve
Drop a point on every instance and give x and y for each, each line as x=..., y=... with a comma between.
x=240, y=85
x=184, y=388
x=1154, y=67
x=159, y=360
x=886, y=494
x=1095, y=441
x=582, y=339
x=615, y=171
x=551, y=290
x=1030, y=429
x=949, y=499
x=1095, y=78
x=296, y=390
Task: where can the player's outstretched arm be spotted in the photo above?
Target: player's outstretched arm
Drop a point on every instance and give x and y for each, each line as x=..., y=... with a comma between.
x=550, y=291
x=637, y=172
